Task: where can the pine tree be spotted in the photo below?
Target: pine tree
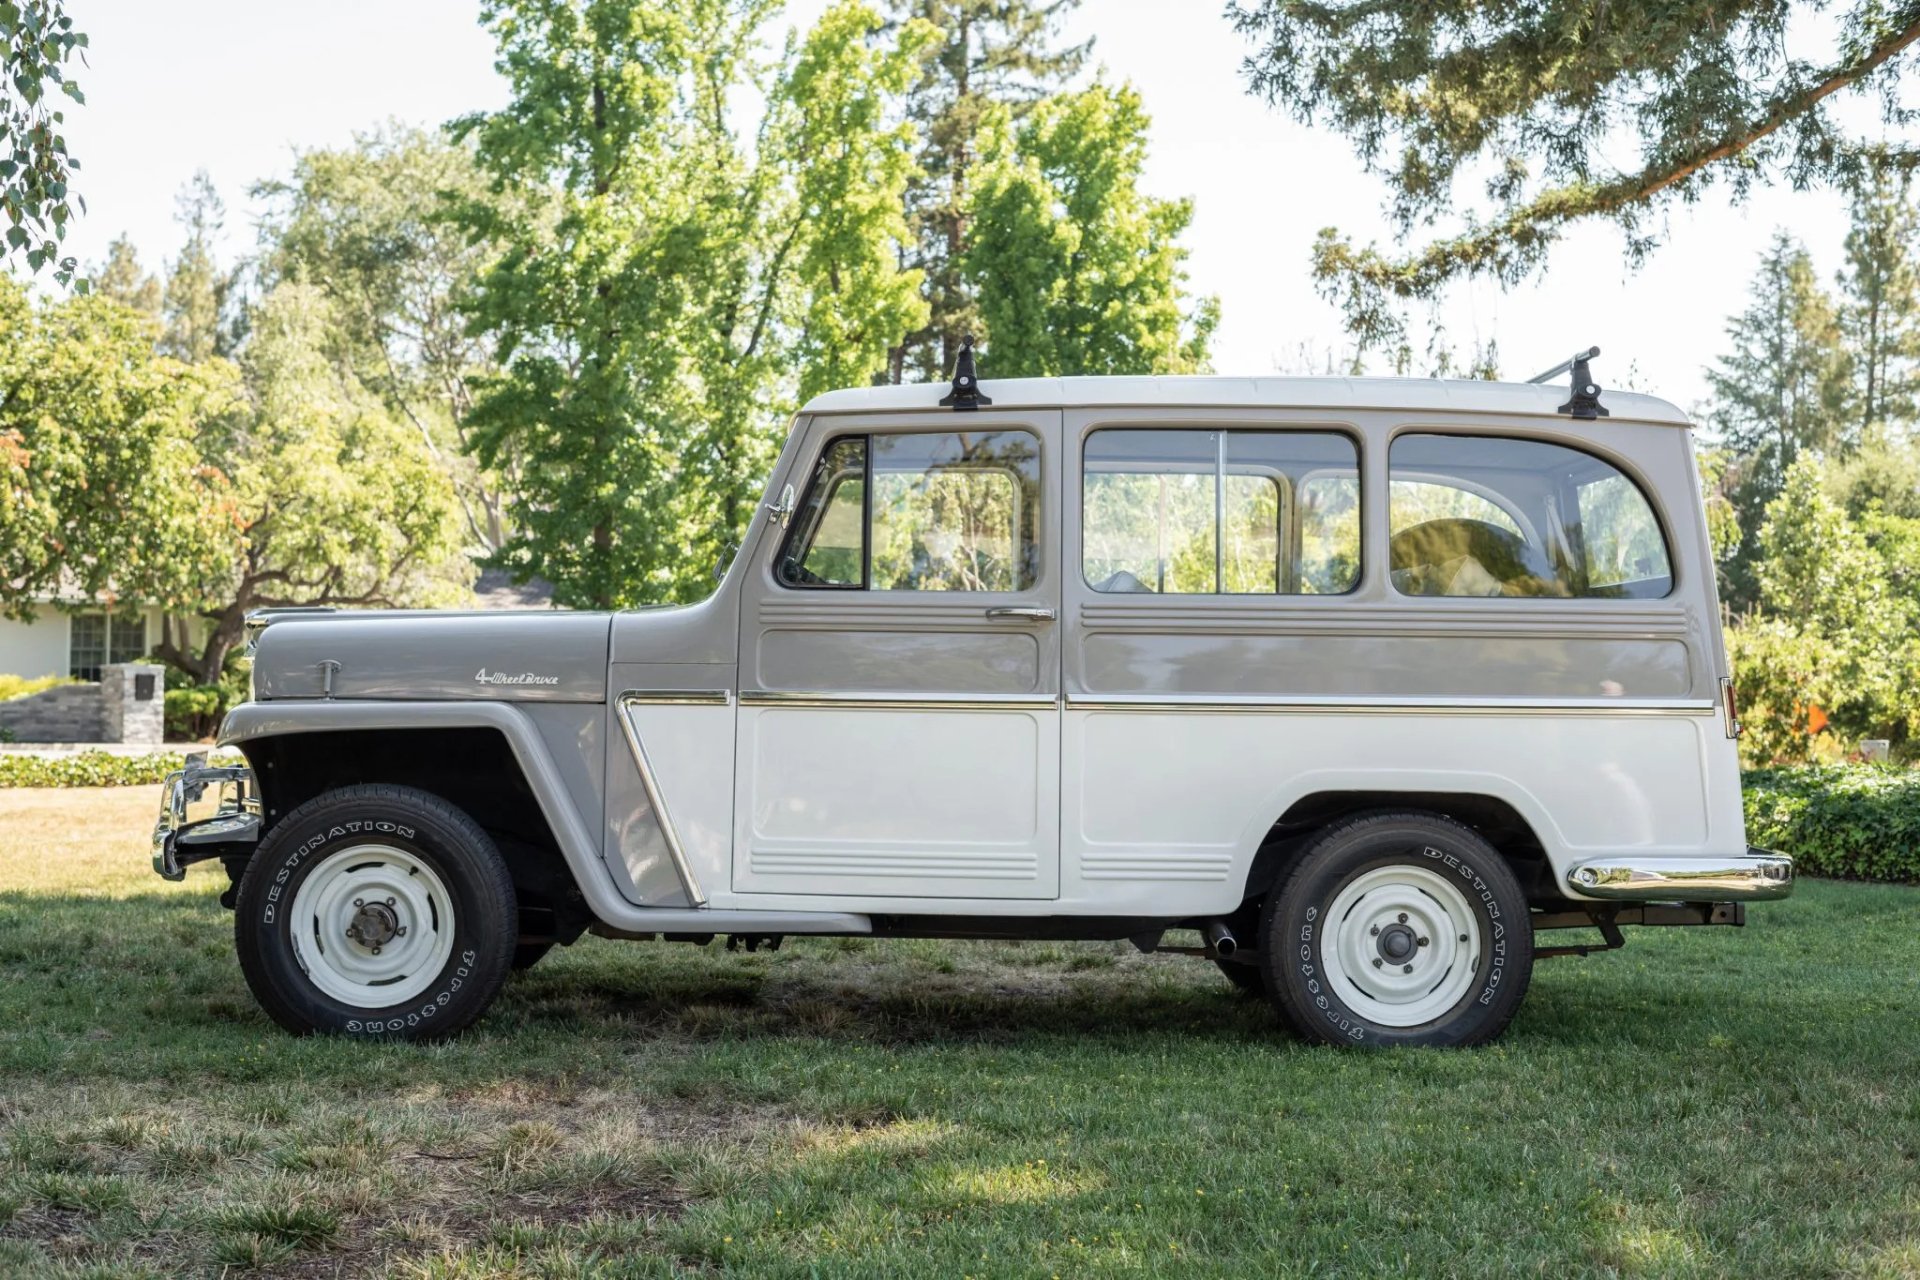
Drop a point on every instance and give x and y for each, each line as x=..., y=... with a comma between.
x=990, y=52
x=1783, y=390
x=123, y=279
x=1880, y=305
x=194, y=305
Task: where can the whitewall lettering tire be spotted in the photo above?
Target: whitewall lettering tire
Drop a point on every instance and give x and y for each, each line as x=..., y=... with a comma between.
x=1398, y=929
x=377, y=911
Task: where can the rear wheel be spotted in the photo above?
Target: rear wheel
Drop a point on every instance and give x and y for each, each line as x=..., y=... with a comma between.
x=1398, y=929
x=376, y=911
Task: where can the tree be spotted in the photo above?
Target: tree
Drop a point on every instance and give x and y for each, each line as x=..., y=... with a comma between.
x=369, y=225
x=1782, y=390
x=334, y=498
x=991, y=54
x=1074, y=269
x=1880, y=307
x=37, y=43
x=196, y=299
x=661, y=282
x=1530, y=99
x=123, y=279
x=103, y=490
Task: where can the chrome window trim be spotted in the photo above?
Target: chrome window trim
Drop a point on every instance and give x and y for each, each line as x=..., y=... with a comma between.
x=696, y=897
x=677, y=697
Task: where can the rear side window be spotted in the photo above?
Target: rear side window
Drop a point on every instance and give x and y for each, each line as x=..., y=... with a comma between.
x=1220, y=512
x=1495, y=516
x=935, y=511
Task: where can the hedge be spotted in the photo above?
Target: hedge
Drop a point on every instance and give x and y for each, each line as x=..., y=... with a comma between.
x=1850, y=822
x=88, y=769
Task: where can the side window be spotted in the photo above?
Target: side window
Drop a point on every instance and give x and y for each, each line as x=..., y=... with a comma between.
x=1495, y=516
x=936, y=511
x=1220, y=512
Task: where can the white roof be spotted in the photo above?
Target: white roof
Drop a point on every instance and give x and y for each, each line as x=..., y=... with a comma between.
x=1451, y=395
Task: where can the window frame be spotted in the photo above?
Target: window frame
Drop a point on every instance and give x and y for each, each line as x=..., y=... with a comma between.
x=791, y=539
x=1289, y=530
x=1589, y=449
x=107, y=620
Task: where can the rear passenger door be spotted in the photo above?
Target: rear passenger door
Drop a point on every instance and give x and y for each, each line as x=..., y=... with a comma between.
x=899, y=723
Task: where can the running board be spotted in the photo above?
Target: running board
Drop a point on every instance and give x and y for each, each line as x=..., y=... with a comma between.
x=644, y=922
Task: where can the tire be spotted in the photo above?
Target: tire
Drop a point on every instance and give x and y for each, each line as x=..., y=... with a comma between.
x=1246, y=978
x=528, y=954
x=422, y=888
x=1408, y=891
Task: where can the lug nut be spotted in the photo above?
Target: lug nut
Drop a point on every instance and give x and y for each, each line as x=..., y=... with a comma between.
x=1377, y=962
x=1403, y=917
x=1405, y=968
x=1423, y=942
x=1375, y=931
x=376, y=951
x=359, y=902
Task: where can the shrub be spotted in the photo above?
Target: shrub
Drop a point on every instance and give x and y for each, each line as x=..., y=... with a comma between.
x=90, y=769
x=194, y=712
x=1851, y=822
x=20, y=686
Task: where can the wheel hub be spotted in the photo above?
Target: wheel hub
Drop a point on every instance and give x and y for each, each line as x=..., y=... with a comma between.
x=1397, y=943
x=1400, y=944
x=374, y=923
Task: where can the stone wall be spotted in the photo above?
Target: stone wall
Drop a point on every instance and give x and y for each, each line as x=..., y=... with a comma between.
x=66, y=713
x=111, y=711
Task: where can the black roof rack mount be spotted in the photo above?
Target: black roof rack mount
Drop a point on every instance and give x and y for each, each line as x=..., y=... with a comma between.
x=966, y=384
x=1585, y=402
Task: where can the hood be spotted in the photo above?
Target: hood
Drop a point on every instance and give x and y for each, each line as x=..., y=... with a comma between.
x=543, y=656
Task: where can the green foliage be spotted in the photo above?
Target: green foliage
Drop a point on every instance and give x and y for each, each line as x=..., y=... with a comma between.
x=991, y=56
x=91, y=769
x=1527, y=97
x=103, y=488
x=1850, y=822
x=12, y=687
x=653, y=303
x=37, y=46
x=1881, y=315
x=369, y=226
x=197, y=299
x=1075, y=270
x=1832, y=632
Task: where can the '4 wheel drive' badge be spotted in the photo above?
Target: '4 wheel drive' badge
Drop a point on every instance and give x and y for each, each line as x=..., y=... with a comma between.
x=484, y=676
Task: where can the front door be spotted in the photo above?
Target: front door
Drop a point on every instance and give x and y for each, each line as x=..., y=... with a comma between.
x=899, y=721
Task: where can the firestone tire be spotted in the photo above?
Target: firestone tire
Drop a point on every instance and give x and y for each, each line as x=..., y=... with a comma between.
x=1398, y=929
x=376, y=911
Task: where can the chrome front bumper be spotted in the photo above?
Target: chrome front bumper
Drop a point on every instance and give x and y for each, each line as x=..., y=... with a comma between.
x=178, y=843
x=1757, y=875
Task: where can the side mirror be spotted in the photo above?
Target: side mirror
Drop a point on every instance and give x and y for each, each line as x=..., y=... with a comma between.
x=783, y=509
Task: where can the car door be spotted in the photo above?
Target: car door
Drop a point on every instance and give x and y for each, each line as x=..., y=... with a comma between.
x=899, y=721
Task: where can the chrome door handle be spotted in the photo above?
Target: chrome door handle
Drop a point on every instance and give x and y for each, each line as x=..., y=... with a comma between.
x=1020, y=613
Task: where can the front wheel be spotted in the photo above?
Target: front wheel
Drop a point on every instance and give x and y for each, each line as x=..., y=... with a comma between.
x=1398, y=929
x=376, y=911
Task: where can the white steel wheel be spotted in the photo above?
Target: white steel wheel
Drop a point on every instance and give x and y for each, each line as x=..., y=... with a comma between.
x=372, y=925
x=1402, y=946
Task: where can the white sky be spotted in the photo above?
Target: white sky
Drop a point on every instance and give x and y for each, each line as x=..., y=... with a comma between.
x=234, y=86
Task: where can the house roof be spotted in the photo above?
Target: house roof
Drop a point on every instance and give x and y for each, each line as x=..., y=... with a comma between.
x=1453, y=395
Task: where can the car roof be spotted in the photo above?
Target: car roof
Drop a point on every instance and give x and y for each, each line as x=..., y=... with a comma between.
x=1451, y=395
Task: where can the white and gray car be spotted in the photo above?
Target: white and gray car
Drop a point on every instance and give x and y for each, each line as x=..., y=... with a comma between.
x=1356, y=688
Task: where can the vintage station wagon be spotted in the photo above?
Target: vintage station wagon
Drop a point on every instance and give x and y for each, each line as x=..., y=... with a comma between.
x=1357, y=686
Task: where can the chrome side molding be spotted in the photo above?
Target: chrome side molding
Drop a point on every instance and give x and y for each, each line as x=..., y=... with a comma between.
x=1757, y=875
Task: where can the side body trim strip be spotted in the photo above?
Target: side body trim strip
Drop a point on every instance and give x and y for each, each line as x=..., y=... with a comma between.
x=1229, y=703
x=640, y=698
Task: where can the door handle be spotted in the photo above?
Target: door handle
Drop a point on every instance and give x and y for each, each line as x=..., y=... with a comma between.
x=1020, y=613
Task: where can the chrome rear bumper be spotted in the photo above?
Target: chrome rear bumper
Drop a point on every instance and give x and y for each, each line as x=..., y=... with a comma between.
x=178, y=843
x=1757, y=875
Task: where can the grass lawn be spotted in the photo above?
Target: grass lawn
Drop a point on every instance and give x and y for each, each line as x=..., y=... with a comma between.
x=1707, y=1102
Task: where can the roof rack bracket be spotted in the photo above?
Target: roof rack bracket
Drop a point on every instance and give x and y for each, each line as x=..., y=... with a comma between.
x=966, y=393
x=1585, y=401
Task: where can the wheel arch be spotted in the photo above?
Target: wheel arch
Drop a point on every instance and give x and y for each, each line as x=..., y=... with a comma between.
x=1503, y=813
x=487, y=759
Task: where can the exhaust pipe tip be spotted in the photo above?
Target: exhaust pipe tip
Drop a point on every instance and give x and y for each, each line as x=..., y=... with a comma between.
x=1220, y=938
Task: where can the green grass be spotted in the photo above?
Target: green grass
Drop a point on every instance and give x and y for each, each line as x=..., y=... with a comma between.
x=1707, y=1102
